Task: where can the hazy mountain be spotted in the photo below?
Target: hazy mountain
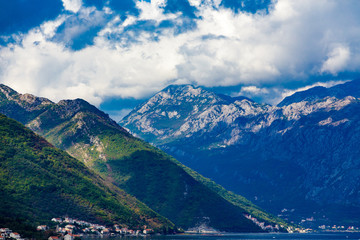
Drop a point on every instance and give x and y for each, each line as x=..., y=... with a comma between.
x=155, y=178
x=39, y=182
x=301, y=158
x=351, y=88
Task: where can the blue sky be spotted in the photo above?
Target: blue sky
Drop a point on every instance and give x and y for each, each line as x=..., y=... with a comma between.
x=117, y=53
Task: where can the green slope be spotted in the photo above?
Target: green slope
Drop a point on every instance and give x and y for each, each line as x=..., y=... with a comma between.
x=158, y=180
x=135, y=166
x=238, y=200
x=39, y=182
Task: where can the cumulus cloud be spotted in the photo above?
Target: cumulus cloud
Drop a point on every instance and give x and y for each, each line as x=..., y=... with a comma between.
x=253, y=90
x=139, y=55
x=337, y=61
x=195, y=3
x=151, y=10
x=78, y=30
x=51, y=70
x=72, y=5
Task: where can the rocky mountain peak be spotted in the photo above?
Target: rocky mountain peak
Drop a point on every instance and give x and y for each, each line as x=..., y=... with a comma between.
x=22, y=107
x=187, y=93
x=26, y=100
x=304, y=149
x=349, y=88
x=185, y=110
x=73, y=107
x=7, y=90
x=189, y=97
x=183, y=89
x=230, y=99
x=33, y=100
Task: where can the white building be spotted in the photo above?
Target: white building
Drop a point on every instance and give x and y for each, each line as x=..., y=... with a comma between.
x=69, y=237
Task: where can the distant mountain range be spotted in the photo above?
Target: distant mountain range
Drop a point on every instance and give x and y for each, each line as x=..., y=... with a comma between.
x=300, y=159
x=156, y=179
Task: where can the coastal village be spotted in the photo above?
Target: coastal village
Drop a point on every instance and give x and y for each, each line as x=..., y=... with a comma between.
x=291, y=229
x=6, y=233
x=77, y=228
x=72, y=229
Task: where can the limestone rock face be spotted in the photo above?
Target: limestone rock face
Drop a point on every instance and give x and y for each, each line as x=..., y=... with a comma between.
x=303, y=154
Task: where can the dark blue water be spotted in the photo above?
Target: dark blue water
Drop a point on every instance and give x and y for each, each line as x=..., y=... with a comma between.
x=258, y=236
x=318, y=236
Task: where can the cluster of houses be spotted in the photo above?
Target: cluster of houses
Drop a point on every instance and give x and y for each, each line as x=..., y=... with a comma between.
x=8, y=233
x=299, y=230
x=69, y=229
x=68, y=236
x=69, y=225
x=339, y=228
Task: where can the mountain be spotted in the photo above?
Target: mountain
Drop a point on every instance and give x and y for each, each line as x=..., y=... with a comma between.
x=351, y=88
x=300, y=159
x=39, y=182
x=142, y=170
x=184, y=111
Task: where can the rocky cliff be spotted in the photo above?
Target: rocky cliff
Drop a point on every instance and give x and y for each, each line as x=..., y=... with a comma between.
x=298, y=159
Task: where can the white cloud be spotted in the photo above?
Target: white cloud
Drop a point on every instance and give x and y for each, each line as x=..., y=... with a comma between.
x=291, y=43
x=253, y=90
x=72, y=5
x=152, y=10
x=76, y=25
x=337, y=61
x=49, y=28
x=49, y=69
x=195, y=3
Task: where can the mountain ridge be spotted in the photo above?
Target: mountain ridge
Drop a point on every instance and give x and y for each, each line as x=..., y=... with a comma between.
x=266, y=152
x=137, y=167
x=39, y=182
x=349, y=88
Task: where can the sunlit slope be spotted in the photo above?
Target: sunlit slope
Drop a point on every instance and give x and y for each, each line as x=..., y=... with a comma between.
x=39, y=182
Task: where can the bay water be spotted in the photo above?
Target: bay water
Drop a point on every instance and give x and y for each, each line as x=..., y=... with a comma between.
x=257, y=236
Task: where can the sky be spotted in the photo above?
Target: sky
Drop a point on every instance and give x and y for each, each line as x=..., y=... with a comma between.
x=118, y=53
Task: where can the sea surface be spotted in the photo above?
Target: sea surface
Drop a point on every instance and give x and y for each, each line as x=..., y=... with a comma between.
x=257, y=236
